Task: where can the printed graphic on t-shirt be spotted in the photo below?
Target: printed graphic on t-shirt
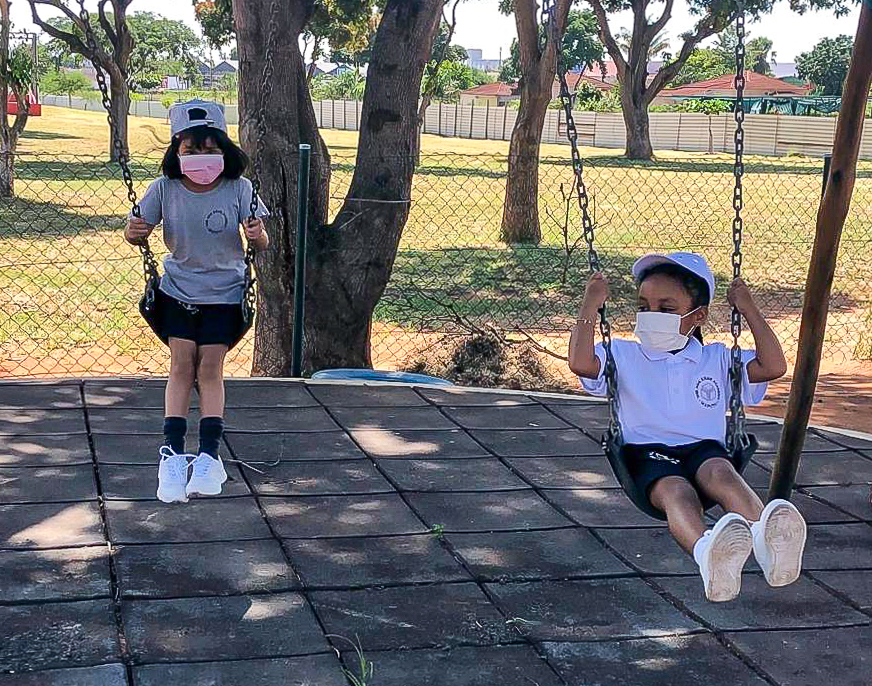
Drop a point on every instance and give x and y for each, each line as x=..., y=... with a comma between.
x=708, y=392
x=216, y=221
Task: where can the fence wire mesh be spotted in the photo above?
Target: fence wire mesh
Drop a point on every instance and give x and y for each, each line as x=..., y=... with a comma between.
x=69, y=284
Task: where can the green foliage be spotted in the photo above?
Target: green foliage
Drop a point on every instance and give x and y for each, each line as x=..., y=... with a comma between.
x=703, y=64
x=216, y=21
x=756, y=51
x=446, y=83
x=19, y=68
x=67, y=83
x=826, y=65
x=580, y=48
x=453, y=53
x=480, y=77
x=347, y=86
x=698, y=106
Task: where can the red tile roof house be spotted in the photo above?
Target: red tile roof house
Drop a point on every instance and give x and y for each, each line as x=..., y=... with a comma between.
x=756, y=85
x=498, y=94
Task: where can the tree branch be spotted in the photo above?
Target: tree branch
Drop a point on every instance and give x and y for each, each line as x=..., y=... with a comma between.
x=608, y=38
x=660, y=24
x=528, y=34
x=70, y=39
x=111, y=34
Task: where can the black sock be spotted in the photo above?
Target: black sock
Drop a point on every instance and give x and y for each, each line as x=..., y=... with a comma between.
x=175, y=429
x=211, y=430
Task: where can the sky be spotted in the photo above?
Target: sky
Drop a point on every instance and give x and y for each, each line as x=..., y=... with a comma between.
x=790, y=32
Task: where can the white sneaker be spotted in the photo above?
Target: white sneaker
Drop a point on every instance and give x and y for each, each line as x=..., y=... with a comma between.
x=207, y=477
x=779, y=541
x=172, y=476
x=723, y=553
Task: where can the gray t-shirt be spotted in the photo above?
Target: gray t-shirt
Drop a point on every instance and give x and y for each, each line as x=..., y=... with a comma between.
x=206, y=264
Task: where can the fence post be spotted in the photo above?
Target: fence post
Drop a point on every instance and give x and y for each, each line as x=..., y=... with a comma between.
x=440, y=119
x=454, y=135
x=300, y=267
x=487, y=120
x=471, y=117
x=505, y=114
x=828, y=161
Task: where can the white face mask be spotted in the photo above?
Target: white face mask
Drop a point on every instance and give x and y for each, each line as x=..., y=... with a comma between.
x=661, y=331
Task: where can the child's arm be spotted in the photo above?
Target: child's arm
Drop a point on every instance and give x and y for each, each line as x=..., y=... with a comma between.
x=255, y=233
x=769, y=363
x=137, y=230
x=582, y=359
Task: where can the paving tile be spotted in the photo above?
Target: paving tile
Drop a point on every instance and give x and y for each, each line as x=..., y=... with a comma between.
x=280, y=393
x=100, y=675
x=590, y=416
x=288, y=447
x=485, y=474
x=457, y=614
x=67, y=574
x=310, y=670
x=814, y=511
x=827, y=469
x=194, y=569
x=418, y=444
x=601, y=508
x=567, y=398
x=28, y=394
x=139, y=482
x=678, y=661
x=654, y=551
x=223, y=628
x=469, y=396
x=466, y=666
x=756, y=476
x=352, y=515
x=510, y=510
x=259, y=419
x=40, y=421
x=768, y=436
x=565, y=472
x=132, y=393
x=811, y=658
x=348, y=477
x=373, y=561
x=44, y=451
x=134, y=448
x=538, y=443
x=47, y=484
x=341, y=395
x=134, y=421
x=50, y=525
x=759, y=606
x=858, y=442
x=853, y=499
x=838, y=546
x=856, y=585
x=518, y=555
x=521, y=417
x=199, y=520
x=590, y=609
x=359, y=418
x=52, y=635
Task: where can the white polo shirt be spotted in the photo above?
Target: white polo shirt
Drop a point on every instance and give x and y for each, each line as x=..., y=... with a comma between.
x=674, y=399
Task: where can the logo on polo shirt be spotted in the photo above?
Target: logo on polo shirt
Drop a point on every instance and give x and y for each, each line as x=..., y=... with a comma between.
x=708, y=392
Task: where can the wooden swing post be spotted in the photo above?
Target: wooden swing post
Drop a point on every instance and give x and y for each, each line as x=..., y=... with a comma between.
x=830, y=222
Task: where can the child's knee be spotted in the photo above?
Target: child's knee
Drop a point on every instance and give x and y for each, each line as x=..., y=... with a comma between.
x=211, y=368
x=717, y=470
x=182, y=367
x=673, y=492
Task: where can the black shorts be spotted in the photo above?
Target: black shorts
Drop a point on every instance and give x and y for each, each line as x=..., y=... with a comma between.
x=650, y=462
x=202, y=324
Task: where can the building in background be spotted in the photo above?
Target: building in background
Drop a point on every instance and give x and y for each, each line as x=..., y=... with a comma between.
x=475, y=60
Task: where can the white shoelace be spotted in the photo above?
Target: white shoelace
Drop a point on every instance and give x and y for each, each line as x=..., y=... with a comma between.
x=203, y=466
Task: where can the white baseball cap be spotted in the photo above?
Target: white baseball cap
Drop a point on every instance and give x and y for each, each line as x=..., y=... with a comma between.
x=690, y=261
x=187, y=115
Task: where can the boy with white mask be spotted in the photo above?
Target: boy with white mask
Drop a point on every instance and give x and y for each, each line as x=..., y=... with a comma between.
x=674, y=394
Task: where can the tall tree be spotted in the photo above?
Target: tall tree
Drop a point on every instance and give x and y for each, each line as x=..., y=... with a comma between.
x=659, y=45
x=537, y=63
x=350, y=260
x=16, y=74
x=826, y=65
x=702, y=65
x=113, y=57
x=756, y=50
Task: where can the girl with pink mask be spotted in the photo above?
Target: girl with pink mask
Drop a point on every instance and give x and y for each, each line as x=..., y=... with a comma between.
x=201, y=200
x=673, y=393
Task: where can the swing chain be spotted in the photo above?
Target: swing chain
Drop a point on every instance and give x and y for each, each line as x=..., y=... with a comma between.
x=736, y=435
x=149, y=263
x=589, y=230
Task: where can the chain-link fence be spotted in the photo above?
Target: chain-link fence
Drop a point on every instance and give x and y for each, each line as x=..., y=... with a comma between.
x=69, y=284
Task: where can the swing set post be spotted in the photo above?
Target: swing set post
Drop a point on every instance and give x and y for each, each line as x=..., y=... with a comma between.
x=300, y=266
x=830, y=222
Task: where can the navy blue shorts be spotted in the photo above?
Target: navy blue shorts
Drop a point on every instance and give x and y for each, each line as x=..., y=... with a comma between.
x=650, y=462
x=202, y=324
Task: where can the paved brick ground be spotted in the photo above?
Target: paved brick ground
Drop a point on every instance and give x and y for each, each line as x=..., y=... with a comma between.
x=460, y=538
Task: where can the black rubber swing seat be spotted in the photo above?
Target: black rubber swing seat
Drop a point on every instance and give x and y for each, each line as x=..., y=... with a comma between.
x=614, y=451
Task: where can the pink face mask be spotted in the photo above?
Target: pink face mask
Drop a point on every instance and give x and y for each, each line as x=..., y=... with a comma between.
x=202, y=169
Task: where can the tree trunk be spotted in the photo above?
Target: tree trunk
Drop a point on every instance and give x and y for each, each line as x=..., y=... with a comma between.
x=120, y=97
x=521, y=208
x=351, y=260
x=638, y=146
x=290, y=121
x=7, y=175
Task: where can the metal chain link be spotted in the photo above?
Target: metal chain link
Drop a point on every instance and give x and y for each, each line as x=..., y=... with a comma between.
x=149, y=262
x=589, y=231
x=736, y=435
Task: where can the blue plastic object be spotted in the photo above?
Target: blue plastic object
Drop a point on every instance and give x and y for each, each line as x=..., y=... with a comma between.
x=378, y=375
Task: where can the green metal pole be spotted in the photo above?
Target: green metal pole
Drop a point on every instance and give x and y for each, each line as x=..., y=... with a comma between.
x=300, y=266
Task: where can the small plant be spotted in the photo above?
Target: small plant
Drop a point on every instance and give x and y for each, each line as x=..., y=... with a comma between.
x=438, y=531
x=365, y=668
